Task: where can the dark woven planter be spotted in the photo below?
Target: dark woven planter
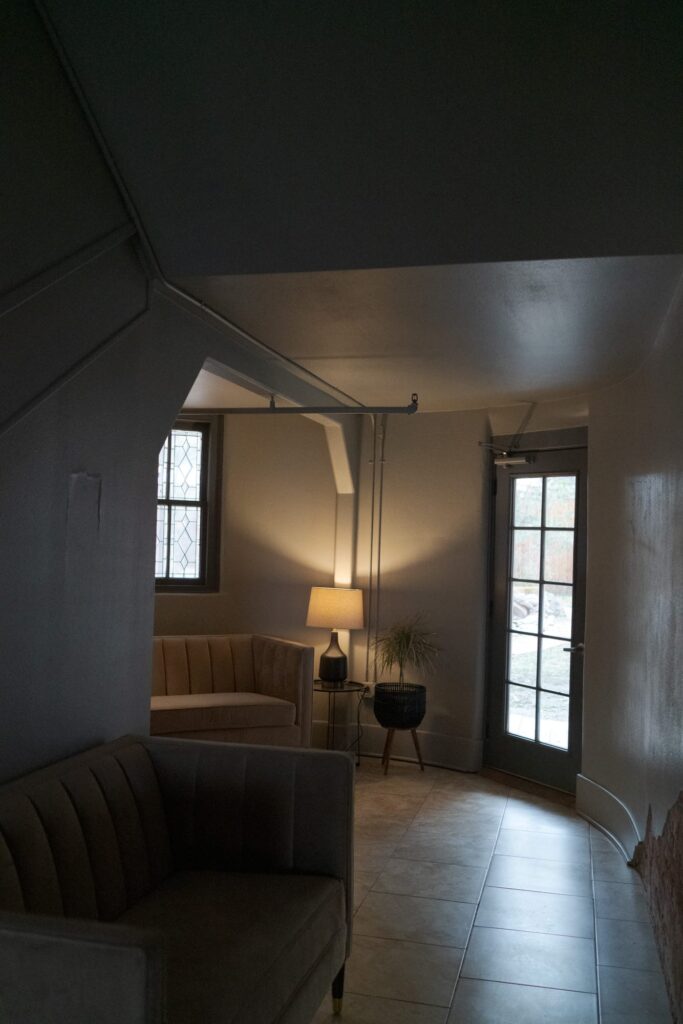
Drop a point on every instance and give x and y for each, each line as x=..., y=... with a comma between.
x=400, y=705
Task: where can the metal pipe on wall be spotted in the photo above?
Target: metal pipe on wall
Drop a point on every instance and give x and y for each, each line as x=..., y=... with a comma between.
x=379, y=425
x=306, y=410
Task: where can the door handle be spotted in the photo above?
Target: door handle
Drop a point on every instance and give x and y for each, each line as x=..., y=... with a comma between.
x=576, y=649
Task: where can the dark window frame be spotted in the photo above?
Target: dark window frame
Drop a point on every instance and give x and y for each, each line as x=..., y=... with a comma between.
x=211, y=485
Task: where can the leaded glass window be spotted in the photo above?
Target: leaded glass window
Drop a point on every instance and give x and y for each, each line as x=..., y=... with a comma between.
x=183, y=519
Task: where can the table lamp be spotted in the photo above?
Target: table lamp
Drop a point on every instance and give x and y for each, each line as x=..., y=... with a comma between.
x=336, y=608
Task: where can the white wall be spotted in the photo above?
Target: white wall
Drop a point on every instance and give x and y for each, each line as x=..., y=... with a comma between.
x=94, y=365
x=278, y=533
x=279, y=536
x=633, y=698
x=433, y=562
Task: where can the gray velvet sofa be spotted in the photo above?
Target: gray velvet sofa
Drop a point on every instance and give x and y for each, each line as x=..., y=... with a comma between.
x=243, y=688
x=162, y=881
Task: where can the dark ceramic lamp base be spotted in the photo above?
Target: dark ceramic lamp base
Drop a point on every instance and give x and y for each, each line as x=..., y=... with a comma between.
x=333, y=664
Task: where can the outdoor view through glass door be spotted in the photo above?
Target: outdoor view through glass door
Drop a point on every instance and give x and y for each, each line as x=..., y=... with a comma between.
x=534, y=721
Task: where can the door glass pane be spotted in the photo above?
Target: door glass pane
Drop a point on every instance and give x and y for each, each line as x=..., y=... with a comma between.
x=558, y=558
x=524, y=607
x=553, y=727
x=522, y=658
x=555, y=666
x=185, y=526
x=528, y=500
x=521, y=714
x=560, y=501
x=161, y=474
x=526, y=554
x=557, y=610
x=186, y=464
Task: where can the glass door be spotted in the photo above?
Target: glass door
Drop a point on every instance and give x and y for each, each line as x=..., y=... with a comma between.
x=536, y=668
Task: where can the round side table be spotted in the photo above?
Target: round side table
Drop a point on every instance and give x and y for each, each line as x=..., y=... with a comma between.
x=345, y=689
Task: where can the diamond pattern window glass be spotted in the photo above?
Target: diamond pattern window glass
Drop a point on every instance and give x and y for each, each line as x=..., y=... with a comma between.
x=185, y=465
x=183, y=507
x=186, y=528
x=540, y=610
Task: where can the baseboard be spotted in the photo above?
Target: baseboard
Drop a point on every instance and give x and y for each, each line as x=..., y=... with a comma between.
x=606, y=811
x=439, y=750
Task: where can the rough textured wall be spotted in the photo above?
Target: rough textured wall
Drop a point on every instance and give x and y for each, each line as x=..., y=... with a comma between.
x=633, y=704
x=659, y=859
x=77, y=482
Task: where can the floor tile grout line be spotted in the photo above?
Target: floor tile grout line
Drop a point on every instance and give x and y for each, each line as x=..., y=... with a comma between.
x=544, y=860
x=459, y=975
x=371, y=888
x=529, y=931
x=432, y=899
x=494, y=928
x=408, y=1002
x=526, y=984
x=431, y=835
x=430, y=860
x=476, y=905
x=439, y=899
x=549, y=988
x=414, y=942
x=541, y=892
x=617, y=881
x=632, y=970
x=595, y=933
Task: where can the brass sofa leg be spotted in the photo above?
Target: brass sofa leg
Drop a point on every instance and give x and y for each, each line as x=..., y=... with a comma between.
x=338, y=993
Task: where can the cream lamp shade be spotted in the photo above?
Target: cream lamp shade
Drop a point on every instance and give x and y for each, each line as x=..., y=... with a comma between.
x=335, y=608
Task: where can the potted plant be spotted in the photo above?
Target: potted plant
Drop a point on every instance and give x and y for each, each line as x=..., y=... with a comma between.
x=402, y=705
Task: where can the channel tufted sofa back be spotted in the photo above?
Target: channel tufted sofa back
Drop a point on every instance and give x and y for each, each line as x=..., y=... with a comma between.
x=88, y=840
x=202, y=664
x=239, y=687
x=163, y=881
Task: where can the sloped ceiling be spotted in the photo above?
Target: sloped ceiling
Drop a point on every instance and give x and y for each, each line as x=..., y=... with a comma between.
x=461, y=336
x=335, y=142
x=268, y=137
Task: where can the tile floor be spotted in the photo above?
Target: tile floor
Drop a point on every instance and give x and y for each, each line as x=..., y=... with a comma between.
x=480, y=904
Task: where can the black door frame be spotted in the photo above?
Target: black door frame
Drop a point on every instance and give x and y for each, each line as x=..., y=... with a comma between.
x=558, y=453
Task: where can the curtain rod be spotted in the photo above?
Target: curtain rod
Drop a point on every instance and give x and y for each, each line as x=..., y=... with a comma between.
x=318, y=410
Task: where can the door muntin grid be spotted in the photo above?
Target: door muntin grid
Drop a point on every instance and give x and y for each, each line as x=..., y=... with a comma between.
x=540, y=584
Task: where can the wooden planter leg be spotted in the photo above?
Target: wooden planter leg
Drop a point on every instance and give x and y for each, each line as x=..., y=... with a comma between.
x=387, y=749
x=417, y=748
x=386, y=746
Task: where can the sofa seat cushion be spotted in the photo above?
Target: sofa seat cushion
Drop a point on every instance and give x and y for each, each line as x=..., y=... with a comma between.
x=198, y=712
x=238, y=946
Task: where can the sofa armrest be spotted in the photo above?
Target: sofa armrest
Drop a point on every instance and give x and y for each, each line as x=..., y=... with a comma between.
x=284, y=669
x=252, y=808
x=55, y=969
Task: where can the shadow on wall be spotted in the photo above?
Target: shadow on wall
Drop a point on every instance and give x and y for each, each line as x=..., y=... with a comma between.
x=265, y=592
x=433, y=588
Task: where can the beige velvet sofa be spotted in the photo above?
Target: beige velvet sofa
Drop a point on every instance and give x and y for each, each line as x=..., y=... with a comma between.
x=240, y=687
x=163, y=881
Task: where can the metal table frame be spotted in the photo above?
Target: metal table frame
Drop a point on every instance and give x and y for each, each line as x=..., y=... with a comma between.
x=332, y=691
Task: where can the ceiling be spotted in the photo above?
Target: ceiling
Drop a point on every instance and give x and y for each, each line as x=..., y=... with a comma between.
x=461, y=336
x=317, y=135
x=474, y=201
